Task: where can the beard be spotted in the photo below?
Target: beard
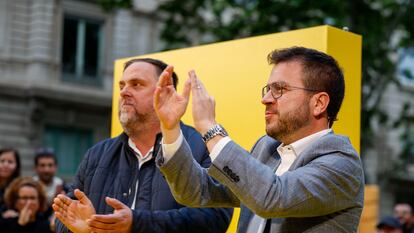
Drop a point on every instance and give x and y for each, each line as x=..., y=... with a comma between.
x=288, y=123
x=133, y=122
x=46, y=178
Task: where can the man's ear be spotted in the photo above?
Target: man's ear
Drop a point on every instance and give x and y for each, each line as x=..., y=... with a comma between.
x=319, y=104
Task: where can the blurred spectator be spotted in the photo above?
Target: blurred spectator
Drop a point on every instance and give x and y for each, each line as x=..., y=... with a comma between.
x=403, y=212
x=9, y=170
x=389, y=224
x=46, y=164
x=27, y=198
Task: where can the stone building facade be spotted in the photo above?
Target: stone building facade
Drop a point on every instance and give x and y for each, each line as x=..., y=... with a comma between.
x=56, y=71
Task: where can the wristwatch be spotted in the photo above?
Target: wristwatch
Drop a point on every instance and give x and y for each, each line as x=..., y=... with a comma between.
x=214, y=131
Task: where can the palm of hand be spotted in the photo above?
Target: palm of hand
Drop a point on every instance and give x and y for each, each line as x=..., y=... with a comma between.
x=78, y=213
x=171, y=107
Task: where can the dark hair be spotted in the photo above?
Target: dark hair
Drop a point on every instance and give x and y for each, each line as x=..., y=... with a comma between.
x=12, y=192
x=159, y=65
x=45, y=153
x=16, y=172
x=321, y=72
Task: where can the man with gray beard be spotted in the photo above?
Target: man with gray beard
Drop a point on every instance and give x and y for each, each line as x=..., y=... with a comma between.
x=118, y=188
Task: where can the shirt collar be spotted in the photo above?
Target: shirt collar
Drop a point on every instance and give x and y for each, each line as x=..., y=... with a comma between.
x=138, y=152
x=300, y=145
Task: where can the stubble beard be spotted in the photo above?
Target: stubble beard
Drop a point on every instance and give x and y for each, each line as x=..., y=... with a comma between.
x=134, y=123
x=47, y=179
x=288, y=124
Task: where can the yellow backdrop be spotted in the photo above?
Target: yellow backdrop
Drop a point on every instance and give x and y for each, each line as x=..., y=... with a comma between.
x=235, y=71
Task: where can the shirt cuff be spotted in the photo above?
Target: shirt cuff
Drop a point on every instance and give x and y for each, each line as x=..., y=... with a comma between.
x=168, y=150
x=218, y=147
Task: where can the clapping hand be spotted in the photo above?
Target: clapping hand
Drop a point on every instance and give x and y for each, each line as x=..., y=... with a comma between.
x=118, y=222
x=74, y=213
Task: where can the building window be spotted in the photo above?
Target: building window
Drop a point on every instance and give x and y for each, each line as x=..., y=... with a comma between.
x=69, y=144
x=82, y=50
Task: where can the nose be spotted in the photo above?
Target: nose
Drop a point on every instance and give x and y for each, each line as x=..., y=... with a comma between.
x=268, y=98
x=124, y=92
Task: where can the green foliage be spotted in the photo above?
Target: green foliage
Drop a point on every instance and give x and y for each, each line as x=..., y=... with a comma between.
x=385, y=25
x=407, y=137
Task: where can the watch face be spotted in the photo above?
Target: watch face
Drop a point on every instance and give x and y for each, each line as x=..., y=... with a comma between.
x=224, y=131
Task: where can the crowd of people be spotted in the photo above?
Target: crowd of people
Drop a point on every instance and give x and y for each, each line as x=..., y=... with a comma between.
x=26, y=202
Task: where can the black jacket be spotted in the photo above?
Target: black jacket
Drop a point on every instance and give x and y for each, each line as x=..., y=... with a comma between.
x=11, y=225
x=111, y=169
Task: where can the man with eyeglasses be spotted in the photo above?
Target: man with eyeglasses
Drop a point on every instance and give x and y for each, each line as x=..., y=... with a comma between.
x=300, y=177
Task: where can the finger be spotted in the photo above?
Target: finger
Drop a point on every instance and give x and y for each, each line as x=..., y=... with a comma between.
x=25, y=208
x=157, y=93
x=60, y=216
x=57, y=208
x=64, y=219
x=59, y=205
x=97, y=225
x=187, y=89
x=165, y=78
x=64, y=216
x=28, y=213
x=25, y=214
x=114, y=203
x=196, y=85
x=193, y=78
x=106, y=219
x=82, y=197
x=63, y=199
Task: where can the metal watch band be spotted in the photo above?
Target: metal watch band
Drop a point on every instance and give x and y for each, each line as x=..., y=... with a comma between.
x=214, y=131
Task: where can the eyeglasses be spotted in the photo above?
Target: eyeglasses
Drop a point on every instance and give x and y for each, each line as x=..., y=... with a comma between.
x=277, y=89
x=27, y=198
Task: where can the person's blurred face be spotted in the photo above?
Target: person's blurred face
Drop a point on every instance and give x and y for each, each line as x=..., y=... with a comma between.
x=46, y=169
x=402, y=212
x=28, y=196
x=8, y=165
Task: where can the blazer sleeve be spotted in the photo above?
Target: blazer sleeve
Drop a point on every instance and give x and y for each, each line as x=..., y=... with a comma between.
x=328, y=183
x=185, y=219
x=198, y=189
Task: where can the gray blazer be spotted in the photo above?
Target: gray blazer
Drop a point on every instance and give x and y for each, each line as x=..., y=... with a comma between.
x=323, y=191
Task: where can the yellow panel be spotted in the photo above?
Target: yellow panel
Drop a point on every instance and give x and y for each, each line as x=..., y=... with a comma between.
x=235, y=71
x=347, y=51
x=369, y=217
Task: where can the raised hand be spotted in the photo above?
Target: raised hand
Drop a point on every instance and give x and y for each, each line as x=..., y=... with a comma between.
x=118, y=222
x=169, y=105
x=74, y=213
x=203, y=105
x=24, y=215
